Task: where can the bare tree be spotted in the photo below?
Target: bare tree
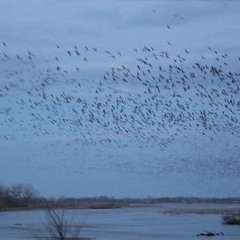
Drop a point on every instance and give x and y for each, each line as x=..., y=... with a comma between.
x=22, y=193
x=3, y=196
x=58, y=227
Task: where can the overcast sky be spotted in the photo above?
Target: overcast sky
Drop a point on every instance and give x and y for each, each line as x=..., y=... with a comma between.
x=54, y=55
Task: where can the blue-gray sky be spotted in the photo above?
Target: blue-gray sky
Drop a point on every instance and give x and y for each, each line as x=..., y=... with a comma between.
x=69, y=128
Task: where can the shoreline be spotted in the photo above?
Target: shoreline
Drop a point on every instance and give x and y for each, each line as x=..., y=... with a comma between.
x=171, y=208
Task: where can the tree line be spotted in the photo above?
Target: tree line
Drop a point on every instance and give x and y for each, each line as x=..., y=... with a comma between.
x=25, y=196
x=18, y=195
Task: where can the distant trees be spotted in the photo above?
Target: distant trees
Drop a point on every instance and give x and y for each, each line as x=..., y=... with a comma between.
x=17, y=195
x=3, y=196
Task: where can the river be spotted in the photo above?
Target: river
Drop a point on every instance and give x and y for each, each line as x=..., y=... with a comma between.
x=144, y=222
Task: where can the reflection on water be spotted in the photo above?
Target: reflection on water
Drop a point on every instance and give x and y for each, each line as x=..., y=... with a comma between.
x=143, y=222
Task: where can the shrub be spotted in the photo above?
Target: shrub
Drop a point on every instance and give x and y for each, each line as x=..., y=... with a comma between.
x=231, y=219
x=57, y=227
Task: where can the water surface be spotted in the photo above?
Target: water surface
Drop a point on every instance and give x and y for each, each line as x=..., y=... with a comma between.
x=139, y=222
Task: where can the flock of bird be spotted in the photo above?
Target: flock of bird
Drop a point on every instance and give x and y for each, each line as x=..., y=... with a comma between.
x=153, y=99
x=145, y=109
